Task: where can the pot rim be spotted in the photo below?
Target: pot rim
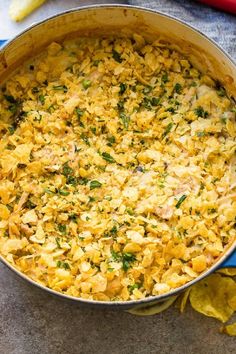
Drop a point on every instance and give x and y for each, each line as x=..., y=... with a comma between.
x=150, y=299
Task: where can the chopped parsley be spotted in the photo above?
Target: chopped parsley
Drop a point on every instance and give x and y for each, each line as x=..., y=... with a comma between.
x=178, y=88
x=180, y=201
x=66, y=169
x=61, y=264
x=11, y=129
x=107, y=157
x=62, y=229
x=200, y=112
x=86, y=84
x=123, y=88
x=85, y=139
x=127, y=260
x=167, y=130
x=116, y=56
x=42, y=99
x=125, y=120
x=165, y=78
x=63, y=192
x=95, y=184
x=60, y=88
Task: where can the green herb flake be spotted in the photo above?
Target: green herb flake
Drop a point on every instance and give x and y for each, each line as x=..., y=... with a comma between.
x=66, y=169
x=123, y=88
x=10, y=99
x=73, y=217
x=178, y=88
x=80, y=113
x=61, y=264
x=60, y=88
x=180, y=201
x=42, y=99
x=85, y=139
x=127, y=260
x=165, y=78
x=62, y=229
x=125, y=120
x=201, y=134
x=63, y=192
x=221, y=92
x=131, y=288
x=95, y=184
x=11, y=130
x=107, y=157
x=167, y=130
x=200, y=112
x=111, y=140
x=86, y=84
x=57, y=239
x=116, y=56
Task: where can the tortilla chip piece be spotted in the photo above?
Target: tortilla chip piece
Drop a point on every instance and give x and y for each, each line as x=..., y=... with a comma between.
x=212, y=296
x=184, y=300
x=19, y=9
x=230, y=329
x=228, y=271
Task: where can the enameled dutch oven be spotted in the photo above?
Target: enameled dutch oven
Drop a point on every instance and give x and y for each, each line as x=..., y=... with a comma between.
x=120, y=20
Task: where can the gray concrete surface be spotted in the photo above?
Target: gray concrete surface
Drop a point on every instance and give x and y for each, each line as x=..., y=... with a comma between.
x=33, y=322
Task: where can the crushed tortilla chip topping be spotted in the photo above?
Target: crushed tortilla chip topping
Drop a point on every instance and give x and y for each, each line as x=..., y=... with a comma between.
x=117, y=177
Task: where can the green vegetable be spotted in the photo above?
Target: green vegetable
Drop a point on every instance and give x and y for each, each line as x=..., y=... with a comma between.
x=180, y=201
x=201, y=134
x=63, y=192
x=66, y=169
x=134, y=286
x=123, y=88
x=93, y=130
x=178, y=88
x=165, y=78
x=62, y=229
x=95, y=184
x=125, y=120
x=61, y=264
x=82, y=181
x=107, y=157
x=111, y=140
x=221, y=92
x=80, y=113
x=73, y=217
x=127, y=260
x=60, y=88
x=116, y=56
x=112, y=232
x=167, y=130
x=11, y=129
x=116, y=256
x=86, y=84
x=58, y=242
x=10, y=99
x=85, y=139
x=42, y=99
x=147, y=89
x=200, y=112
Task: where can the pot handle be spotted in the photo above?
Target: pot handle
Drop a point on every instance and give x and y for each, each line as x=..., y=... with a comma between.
x=230, y=262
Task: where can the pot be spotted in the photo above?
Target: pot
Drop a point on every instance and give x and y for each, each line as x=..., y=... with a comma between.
x=118, y=19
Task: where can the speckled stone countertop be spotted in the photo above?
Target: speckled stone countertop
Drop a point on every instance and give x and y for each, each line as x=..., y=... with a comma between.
x=34, y=322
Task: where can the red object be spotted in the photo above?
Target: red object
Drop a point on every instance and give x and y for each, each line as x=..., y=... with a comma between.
x=227, y=5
